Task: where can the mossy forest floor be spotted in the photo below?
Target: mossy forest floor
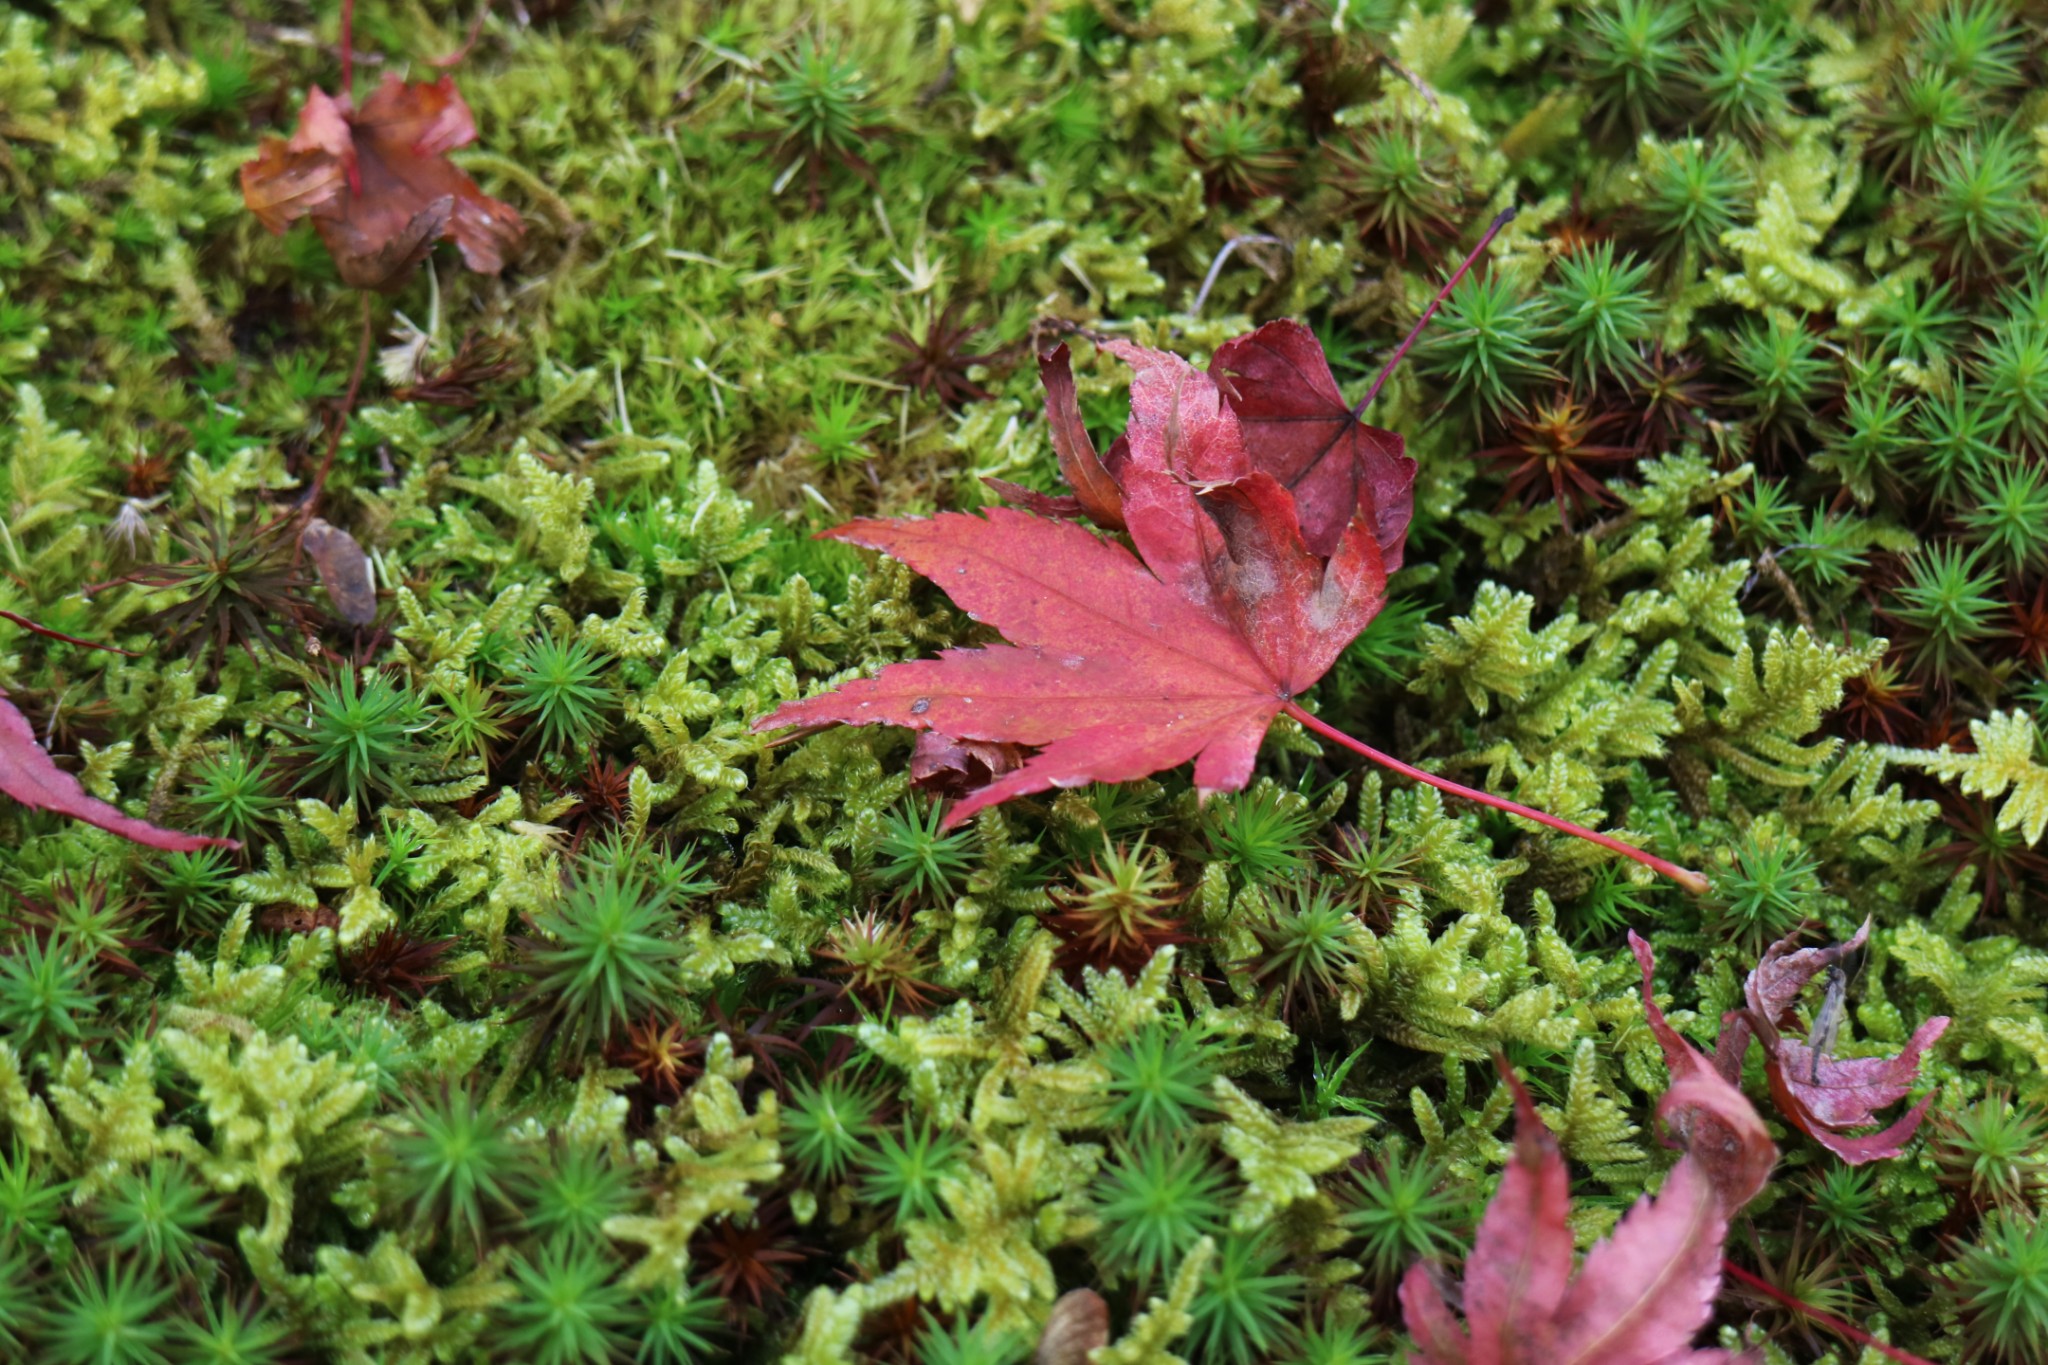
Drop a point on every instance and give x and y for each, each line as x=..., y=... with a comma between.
x=546, y=1013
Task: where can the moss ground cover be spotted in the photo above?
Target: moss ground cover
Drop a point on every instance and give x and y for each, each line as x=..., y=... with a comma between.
x=545, y=1012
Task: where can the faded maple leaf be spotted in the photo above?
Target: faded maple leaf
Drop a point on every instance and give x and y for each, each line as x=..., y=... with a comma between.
x=28, y=775
x=378, y=184
x=1640, y=1298
x=1822, y=1095
x=1264, y=533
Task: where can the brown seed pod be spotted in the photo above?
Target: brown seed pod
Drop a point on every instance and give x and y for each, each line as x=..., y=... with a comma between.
x=344, y=571
x=1079, y=1324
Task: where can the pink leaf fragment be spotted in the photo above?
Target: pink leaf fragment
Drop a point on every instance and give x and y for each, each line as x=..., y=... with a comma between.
x=1640, y=1298
x=28, y=775
x=378, y=185
x=1706, y=1114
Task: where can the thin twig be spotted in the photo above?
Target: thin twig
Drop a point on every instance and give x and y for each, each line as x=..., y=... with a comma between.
x=941, y=83
x=1767, y=565
x=1216, y=266
x=1067, y=327
x=1501, y=220
x=267, y=38
x=305, y=507
x=476, y=28
x=1421, y=85
x=1691, y=881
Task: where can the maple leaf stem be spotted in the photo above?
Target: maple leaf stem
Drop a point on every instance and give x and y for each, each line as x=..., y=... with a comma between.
x=1691, y=881
x=1827, y=1320
x=1501, y=220
x=348, y=52
x=27, y=624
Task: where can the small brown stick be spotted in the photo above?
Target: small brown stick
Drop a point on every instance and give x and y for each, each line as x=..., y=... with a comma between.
x=1768, y=566
x=1421, y=85
x=476, y=28
x=311, y=502
x=1064, y=327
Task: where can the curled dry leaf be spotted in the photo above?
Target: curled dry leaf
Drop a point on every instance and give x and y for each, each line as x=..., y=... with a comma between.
x=1825, y=1096
x=378, y=184
x=344, y=570
x=1821, y=1095
x=951, y=767
x=28, y=775
x=1640, y=1298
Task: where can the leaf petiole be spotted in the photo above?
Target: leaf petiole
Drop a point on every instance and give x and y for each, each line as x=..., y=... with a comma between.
x=1848, y=1331
x=1501, y=220
x=1691, y=881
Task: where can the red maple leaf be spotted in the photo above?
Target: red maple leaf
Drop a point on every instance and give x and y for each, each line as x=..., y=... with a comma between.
x=378, y=184
x=1293, y=413
x=1264, y=531
x=1640, y=1298
x=28, y=775
x=1822, y=1095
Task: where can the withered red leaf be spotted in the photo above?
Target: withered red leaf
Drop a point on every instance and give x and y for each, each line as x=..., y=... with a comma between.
x=1640, y=1297
x=1112, y=674
x=1118, y=668
x=1822, y=1095
x=378, y=184
x=947, y=766
x=28, y=775
x=1289, y=405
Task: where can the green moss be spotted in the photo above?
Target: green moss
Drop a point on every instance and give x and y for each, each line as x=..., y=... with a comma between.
x=786, y=266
